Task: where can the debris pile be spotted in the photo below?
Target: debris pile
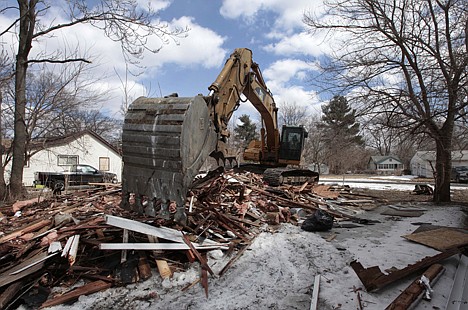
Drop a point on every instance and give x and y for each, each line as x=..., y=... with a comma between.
x=46, y=243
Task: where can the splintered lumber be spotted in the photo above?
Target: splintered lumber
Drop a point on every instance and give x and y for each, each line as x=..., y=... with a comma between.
x=291, y=203
x=315, y=293
x=144, y=269
x=373, y=278
x=27, y=267
x=163, y=268
x=234, y=259
x=203, y=261
x=204, y=280
x=73, y=249
x=86, y=289
x=17, y=206
x=411, y=294
x=9, y=293
x=26, y=229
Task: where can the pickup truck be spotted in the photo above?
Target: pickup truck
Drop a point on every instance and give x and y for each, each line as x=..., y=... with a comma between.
x=76, y=175
x=459, y=174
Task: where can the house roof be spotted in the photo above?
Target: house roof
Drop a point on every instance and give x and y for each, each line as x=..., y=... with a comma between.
x=431, y=155
x=378, y=159
x=58, y=141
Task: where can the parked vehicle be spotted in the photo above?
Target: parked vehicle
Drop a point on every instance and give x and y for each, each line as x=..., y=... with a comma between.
x=75, y=175
x=459, y=174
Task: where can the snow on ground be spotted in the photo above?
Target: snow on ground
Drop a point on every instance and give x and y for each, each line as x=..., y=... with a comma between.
x=400, y=183
x=278, y=270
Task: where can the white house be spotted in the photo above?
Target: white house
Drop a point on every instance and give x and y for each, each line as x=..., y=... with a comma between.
x=423, y=162
x=54, y=155
x=385, y=165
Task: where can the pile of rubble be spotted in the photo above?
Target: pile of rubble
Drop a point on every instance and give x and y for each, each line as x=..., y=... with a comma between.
x=55, y=241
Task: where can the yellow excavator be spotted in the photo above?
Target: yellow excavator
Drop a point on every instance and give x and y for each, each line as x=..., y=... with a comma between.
x=165, y=141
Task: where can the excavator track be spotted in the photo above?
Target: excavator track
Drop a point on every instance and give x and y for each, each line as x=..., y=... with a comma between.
x=291, y=176
x=164, y=143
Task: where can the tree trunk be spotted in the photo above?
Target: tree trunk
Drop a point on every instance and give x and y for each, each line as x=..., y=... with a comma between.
x=443, y=170
x=27, y=23
x=3, y=189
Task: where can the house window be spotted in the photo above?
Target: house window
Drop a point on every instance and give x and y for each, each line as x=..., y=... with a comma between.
x=67, y=160
x=104, y=163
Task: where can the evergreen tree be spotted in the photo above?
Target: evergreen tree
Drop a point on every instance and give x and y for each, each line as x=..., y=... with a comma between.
x=247, y=131
x=340, y=133
x=340, y=119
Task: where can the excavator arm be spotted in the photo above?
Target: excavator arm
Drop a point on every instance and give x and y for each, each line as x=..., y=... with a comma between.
x=241, y=75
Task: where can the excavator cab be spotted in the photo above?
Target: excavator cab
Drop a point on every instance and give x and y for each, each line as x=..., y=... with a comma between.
x=292, y=144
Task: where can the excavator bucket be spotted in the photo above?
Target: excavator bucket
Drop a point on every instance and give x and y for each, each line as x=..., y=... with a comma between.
x=164, y=144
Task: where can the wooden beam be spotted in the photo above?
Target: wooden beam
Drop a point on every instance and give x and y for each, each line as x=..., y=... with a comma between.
x=203, y=261
x=411, y=294
x=86, y=289
x=25, y=229
x=373, y=278
x=315, y=293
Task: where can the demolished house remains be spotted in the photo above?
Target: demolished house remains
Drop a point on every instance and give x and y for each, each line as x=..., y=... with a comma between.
x=56, y=241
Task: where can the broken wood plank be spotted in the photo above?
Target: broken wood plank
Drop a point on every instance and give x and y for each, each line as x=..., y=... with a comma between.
x=234, y=259
x=203, y=262
x=412, y=293
x=10, y=292
x=26, y=229
x=86, y=289
x=163, y=268
x=19, y=205
x=123, y=257
x=73, y=250
x=373, y=278
x=35, y=263
x=144, y=269
x=315, y=293
x=204, y=278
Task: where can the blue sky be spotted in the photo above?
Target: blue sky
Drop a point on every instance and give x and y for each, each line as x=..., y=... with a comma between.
x=272, y=29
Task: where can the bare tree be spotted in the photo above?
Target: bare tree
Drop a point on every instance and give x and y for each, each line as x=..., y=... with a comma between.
x=6, y=74
x=122, y=21
x=315, y=145
x=292, y=114
x=405, y=58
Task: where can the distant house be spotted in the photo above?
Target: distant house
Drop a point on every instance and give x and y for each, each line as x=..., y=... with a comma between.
x=385, y=165
x=423, y=162
x=58, y=154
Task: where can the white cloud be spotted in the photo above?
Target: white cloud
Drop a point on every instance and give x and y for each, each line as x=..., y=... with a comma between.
x=156, y=5
x=202, y=47
x=300, y=43
x=284, y=70
x=289, y=12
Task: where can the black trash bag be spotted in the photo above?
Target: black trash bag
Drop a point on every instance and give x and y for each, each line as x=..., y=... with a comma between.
x=319, y=221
